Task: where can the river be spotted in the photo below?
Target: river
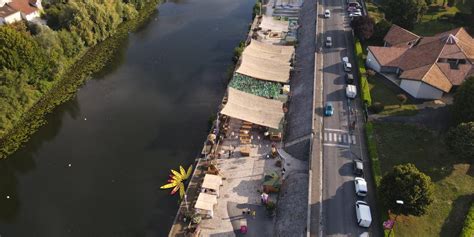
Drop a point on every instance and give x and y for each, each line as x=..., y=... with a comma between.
x=95, y=169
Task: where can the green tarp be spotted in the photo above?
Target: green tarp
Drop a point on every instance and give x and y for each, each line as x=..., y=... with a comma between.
x=257, y=87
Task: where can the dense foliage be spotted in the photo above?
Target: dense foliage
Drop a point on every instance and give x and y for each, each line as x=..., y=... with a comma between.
x=460, y=140
x=405, y=182
x=363, y=27
x=404, y=13
x=380, y=30
x=36, y=56
x=250, y=85
x=468, y=228
x=463, y=102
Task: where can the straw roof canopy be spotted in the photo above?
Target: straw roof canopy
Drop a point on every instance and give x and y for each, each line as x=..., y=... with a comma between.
x=252, y=108
x=266, y=62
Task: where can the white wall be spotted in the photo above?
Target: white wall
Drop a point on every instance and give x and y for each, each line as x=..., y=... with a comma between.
x=371, y=62
x=428, y=92
x=31, y=16
x=13, y=18
x=420, y=90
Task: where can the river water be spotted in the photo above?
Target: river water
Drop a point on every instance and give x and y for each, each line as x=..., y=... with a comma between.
x=95, y=169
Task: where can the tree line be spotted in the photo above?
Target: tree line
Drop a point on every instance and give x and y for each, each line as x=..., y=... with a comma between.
x=34, y=56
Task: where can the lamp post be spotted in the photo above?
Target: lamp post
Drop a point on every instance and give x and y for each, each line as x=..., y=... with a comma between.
x=400, y=203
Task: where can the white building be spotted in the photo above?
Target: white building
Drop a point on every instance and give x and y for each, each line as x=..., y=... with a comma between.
x=424, y=67
x=16, y=10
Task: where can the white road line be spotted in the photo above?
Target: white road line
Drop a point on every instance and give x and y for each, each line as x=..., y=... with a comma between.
x=336, y=145
x=349, y=138
x=344, y=138
x=335, y=130
x=330, y=137
x=339, y=138
x=353, y=139
x=325, y=136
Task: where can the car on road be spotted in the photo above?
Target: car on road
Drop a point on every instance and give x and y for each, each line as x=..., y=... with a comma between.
x=349, y=78
x=354, y=4
x=347, y=65
x=351, y=9
x=328, y=109
x=327, y=13
x=364, y=218
x=351, y=91
x=358, y=167
x=355, y=14
x=360, y=186
x=328, y=42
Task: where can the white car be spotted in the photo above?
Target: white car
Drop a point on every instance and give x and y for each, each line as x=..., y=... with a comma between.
x=327, y=13
x=364, y=217
x=355, y=14
x=360, y=186
x=347, y=65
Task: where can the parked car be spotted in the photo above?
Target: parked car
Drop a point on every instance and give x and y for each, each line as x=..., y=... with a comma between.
x=360, y=186
x=347, y=65
x=328, y=42
x=351, y=91
x=328, y=109
x=364, y=218
x=351, y=9
x=355, y=14
x=358, y=167
x=349, y=78
x=327, y=13
x=354, y=4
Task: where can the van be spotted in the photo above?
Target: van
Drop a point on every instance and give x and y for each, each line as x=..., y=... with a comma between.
x=328, y=42
x=364, y=218
x=351, y=91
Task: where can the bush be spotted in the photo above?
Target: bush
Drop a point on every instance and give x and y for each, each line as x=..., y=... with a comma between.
x=468, y=228
x=364, y=84
x=377, y=107
x=460, y=140
x=373, y=155
x=238, y=51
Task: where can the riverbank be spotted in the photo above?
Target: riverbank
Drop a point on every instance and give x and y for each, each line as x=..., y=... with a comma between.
x=92, y=61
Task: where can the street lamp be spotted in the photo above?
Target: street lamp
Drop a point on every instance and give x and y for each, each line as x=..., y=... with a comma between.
x=400, y=203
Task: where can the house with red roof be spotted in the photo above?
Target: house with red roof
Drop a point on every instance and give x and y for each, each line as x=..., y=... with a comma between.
x=424, y=67
x=16, y=10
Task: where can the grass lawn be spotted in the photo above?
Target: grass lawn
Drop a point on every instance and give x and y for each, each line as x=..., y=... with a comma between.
x=431, y=24
x=380, y=92
x=453, y=179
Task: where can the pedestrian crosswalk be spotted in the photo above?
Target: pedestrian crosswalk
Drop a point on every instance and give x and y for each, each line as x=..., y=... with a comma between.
x=339, y=136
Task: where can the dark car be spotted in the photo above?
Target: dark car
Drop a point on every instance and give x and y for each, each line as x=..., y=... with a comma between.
x=349, y=78
x=358, y=167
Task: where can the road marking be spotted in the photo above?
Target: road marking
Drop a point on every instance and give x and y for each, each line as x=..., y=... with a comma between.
x=325, y=136
x=335, y=130
x=353, y=139
x=339, y=138
x=344, y=138
x=336, y=145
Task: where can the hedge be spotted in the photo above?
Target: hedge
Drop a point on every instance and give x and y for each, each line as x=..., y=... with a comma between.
x=468, y=228
x=364, y=84
x=372, y=148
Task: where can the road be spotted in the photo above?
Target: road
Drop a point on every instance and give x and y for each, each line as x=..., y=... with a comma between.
x=333, y=187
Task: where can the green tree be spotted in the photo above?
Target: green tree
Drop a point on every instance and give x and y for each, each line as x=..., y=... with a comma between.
x=363, y=27
x=402, y=98
x=463, y=102
x=405, y=182
x=460, y=140
x=21, y=53
x=380, y=30
x=404, y=13
x=71, y=43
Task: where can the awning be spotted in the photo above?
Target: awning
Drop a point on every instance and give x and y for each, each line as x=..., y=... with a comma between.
x=254, y=109
x=212, y=182
x=203, y=206
x=266, y=61
x=268, y=23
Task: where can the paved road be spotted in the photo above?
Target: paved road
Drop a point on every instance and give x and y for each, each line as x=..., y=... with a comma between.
x=338, y=147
